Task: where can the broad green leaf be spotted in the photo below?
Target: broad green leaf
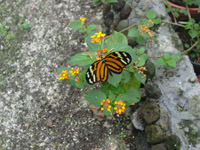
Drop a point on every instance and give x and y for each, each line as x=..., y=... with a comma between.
x=183, y=11
x=131, y=96
x=120, y=47
x=90, y=28
x=132, y=83
x=142, y=60
x=111, y=96
x=111, y=1
x=95, y=97
x=166, y=56
x=193, y=33
x=106, y=112
x=115, y=79
x=81, y=59
x=125, y=76
x=159, y=62
x=93, y=47
x=140, y=51
x=60, y=69
x=140, y=77
x=134, y=33
x=176, y=57
x=96, y=2
x=116, y=38
x=171, y=63
x=140, y=40
x=150, y=14
x=76, y=25
x=157, y=21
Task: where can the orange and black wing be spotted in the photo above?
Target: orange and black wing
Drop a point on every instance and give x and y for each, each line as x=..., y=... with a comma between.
x=113, y=62
x=98, y=71
x=116, y=61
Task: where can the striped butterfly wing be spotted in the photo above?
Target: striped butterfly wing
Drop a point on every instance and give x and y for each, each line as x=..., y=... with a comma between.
x=98, y=71
x=116, y=61
x=113, y=62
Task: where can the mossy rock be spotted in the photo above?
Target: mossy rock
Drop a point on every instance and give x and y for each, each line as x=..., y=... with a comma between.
x=173, y=142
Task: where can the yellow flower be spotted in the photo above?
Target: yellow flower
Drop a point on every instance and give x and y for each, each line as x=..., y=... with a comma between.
x=105, y=104
x=82, y=20
x=120, y=107
x=97, y=37
x=143, y=27
x=63, y=75
x=74, y=71
x=150, y=22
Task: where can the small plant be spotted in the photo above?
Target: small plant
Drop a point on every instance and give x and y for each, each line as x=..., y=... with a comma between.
x=112, y=64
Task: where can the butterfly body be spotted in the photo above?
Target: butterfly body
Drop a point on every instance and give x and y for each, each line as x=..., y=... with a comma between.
x=112, y=63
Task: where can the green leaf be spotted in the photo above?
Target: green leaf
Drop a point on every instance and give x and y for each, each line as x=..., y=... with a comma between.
x=76, y=25
x=157, y=21
x=96, y=2
x=131, y=96
x=90, y=28
x=132, y=83
x=142, y=60
x=176, y=57
x=60, y=69
x=159, y=62
x=140, y=77
x=193, y=33
x=140, y=51
x=125, y=76
x=166, y=56
x=115, y=79
x=93, y=47
x=171, y=63
x=81, y=59
x=183, y=11
x=134, y=33
x=116, y=38
x=95, y=97
x=111, y=1
x=150, y=14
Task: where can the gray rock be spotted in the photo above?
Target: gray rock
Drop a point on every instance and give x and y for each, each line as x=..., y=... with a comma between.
x=154, y=134
x=152, y=90
x=125, y=12
x=122, y=25
x=106, y=8
x=132, y=41
x=173, y=142
x=150, y=69
x=158, y=147
x=150, y=112
x=108, y=19
x=137, y=120
x=164, y=122
x=119, y=5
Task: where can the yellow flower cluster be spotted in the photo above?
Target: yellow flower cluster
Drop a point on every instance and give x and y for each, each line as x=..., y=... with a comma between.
x=82, y=20
x=97, y=37
x=74, y=71
x=120, y=107
x=63, y=75
x=105, y=104
x=146, y=29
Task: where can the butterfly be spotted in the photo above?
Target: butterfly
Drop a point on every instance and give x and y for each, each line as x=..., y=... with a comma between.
x=112, y=63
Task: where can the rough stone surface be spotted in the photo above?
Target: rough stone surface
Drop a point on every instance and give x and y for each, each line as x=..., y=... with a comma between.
x=154, y=134
x=173, y=142
x=158, y=147
x=150, y=112
x=152, y=90
x=179, y=86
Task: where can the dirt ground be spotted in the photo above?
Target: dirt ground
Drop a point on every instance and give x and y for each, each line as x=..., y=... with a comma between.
x=36, y=110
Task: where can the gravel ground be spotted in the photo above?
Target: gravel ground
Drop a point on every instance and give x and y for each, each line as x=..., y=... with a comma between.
x=36, y=110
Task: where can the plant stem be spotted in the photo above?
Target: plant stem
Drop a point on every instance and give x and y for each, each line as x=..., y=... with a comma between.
x=177, y=24
x=129, y=27
x=188, y=12
x=189, y=49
